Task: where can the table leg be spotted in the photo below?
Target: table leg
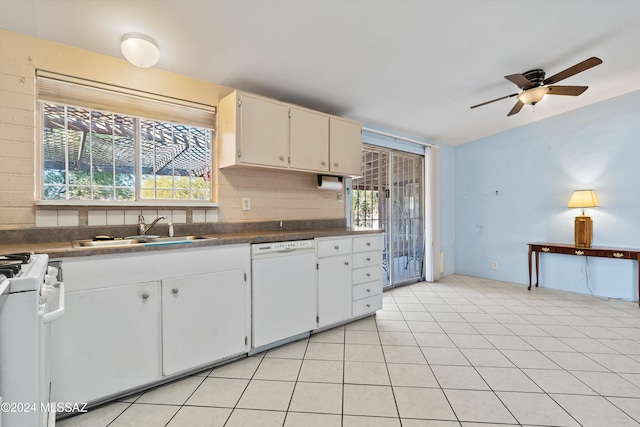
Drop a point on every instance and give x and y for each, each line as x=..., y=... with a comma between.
x=529, y=288
x=537, y=269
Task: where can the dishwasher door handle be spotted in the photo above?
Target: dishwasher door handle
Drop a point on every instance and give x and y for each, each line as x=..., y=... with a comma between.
x=285, y=251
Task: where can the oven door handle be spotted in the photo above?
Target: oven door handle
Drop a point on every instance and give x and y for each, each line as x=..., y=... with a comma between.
x=50, y=317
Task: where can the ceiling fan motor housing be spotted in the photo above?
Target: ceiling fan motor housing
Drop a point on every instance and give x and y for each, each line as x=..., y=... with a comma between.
x=534, y=76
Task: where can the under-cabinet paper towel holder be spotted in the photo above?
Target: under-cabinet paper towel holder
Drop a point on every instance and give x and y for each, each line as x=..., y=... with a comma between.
x=332, y=181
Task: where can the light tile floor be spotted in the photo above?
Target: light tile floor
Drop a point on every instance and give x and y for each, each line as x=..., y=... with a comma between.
x=459, y=352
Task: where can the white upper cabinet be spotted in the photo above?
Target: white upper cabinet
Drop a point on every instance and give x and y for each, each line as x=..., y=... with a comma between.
x=261, y=132
x=254, y=131
x=345, y=147
x=309, y=140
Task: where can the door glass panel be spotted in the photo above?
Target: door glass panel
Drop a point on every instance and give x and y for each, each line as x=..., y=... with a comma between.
x=389, y=195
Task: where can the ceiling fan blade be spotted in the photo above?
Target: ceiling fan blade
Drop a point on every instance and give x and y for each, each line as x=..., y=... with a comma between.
x=516, y=108
x=494, y=100
x=578, y=68
x=519, y=80
x=567, y=90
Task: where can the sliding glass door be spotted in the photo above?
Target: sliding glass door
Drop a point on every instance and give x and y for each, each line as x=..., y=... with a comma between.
x=389, y=195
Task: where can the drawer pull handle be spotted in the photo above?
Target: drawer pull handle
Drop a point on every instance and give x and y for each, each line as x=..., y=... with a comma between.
x=368, y=305
x=368, y=243
x=579, y=252
x=145, y=296
x=282, y=158
x=336, y=164
x=368, y=290
x=618, y=254
x=545, y=249
x=346, y=263
x=175, y=291
x=324, y=163
x=336, y=247
x=368, y=274
x=368, y=259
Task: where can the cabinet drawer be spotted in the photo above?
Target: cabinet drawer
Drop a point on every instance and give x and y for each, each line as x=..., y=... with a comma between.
x=366, y=290
x=366, y=305
x=367, y=243
x=369, y=274
x=367, y=259
x=620, y=254
x=334, y=247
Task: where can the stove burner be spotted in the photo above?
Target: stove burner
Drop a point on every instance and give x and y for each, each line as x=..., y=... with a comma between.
x=23, y=257
x=11, y=264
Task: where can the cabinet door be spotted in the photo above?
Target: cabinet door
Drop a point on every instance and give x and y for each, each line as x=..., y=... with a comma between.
x=345, y=147
x=106, y=342
x=264, y=132
x=334, y=290
x=203, y=319
x=309, y=140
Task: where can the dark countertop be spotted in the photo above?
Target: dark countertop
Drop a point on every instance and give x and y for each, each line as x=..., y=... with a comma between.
x=67, y=249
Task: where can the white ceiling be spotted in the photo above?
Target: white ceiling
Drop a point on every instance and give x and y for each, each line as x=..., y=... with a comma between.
x=409, y=66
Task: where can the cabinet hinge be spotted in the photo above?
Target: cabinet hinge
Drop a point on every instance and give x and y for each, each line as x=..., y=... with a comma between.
x=239, y=153
x=245, y=276
x=317, y=266
x=239, y=102
x=289, y=159
x=317, y=319
x=246, y=340
x=289, y=113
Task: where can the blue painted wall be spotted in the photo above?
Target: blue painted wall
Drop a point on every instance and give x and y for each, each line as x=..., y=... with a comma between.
x=513, y=188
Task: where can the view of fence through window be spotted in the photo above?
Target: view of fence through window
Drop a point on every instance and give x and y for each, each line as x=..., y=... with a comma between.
x=94, y=155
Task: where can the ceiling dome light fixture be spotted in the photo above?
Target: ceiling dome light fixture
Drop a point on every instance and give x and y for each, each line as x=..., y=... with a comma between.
x=140, y=49
x=533, y=96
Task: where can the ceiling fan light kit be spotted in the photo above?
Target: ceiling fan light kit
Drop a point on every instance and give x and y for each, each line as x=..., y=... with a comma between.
x=534, y=86
x=533, y=96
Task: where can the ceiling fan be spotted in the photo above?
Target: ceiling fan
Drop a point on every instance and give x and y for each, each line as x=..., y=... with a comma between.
x=534, y=86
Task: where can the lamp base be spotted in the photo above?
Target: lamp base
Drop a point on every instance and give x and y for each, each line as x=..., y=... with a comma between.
x=583, y=232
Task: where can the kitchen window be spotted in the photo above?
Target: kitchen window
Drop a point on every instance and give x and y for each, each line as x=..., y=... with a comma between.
x=104, y=146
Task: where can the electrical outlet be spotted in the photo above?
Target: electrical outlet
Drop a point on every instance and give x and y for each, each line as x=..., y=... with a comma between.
x=494, y=265
x=246, y=204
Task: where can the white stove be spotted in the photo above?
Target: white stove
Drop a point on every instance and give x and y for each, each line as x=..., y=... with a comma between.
x=29, y=302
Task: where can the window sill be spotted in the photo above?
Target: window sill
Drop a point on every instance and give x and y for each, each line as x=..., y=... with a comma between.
x=127, y=204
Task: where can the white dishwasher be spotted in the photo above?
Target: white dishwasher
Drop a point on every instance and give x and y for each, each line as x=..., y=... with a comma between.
x=283, y=290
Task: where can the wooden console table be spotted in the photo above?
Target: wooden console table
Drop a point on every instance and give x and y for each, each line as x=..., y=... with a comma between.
x=596, y=251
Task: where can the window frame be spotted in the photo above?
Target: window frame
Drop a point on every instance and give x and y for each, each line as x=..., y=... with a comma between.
x=54, y=87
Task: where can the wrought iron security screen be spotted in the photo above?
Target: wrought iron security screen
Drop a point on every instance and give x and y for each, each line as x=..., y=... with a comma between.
x=389, y=196
x=407, y=219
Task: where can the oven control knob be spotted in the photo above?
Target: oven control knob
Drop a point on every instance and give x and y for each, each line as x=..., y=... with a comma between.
x=50, y=280
x=52, y=271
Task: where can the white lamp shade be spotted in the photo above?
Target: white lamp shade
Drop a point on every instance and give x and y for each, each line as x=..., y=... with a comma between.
x=533, y=96
x=140, y=49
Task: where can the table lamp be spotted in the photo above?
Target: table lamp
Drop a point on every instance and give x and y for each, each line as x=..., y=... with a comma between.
x=583, y=199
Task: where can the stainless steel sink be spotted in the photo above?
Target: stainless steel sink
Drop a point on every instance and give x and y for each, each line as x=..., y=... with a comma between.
x=177, y=240
x=139, y=240
x=107, y=243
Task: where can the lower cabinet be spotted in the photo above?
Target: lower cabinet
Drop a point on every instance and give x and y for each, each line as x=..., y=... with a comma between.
x=118, y=335
x=334, y=290
x=349, y=278
x=106, y=342
x=201, y=321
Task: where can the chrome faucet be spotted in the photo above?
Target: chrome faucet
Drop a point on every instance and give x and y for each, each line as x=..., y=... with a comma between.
x=142, y=227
